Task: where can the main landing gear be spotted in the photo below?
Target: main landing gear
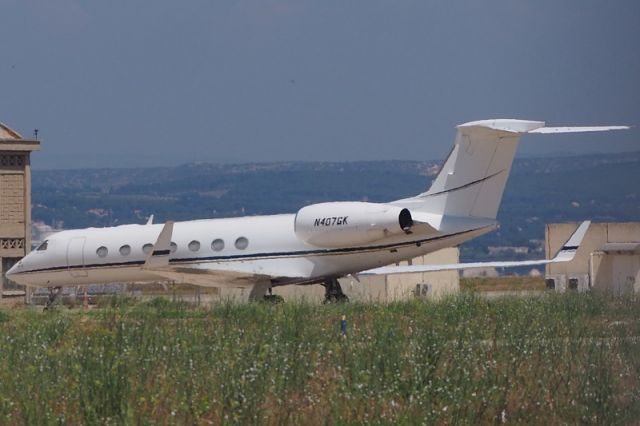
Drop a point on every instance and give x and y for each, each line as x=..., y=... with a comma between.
x=54, y=292
x=273, y=298
x=333, y=292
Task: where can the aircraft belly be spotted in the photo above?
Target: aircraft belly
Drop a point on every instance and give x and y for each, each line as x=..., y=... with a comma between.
x=122, y=274
x=47, y=279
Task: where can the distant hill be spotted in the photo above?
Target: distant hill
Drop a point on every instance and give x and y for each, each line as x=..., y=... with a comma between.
x=540, y=190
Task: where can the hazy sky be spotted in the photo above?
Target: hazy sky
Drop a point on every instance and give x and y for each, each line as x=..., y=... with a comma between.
x=127, y=83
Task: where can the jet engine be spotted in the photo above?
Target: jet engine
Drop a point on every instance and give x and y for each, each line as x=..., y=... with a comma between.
x=344, y=224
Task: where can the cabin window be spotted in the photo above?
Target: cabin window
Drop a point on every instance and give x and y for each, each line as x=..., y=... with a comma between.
x=173, y=247
x=146, y=249
x=242, y=243
x=194, y=245
x=125, y=250
x=43, y=246
x=102, y=251
x=217, y=244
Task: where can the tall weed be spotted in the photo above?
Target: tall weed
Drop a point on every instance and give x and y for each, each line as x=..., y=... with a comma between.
x=559, y=358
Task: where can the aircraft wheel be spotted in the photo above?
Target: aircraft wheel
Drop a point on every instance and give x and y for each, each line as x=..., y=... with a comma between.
x=273, y=298
x=333, y=292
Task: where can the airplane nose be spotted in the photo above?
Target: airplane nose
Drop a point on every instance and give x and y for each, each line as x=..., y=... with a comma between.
x=12, y=273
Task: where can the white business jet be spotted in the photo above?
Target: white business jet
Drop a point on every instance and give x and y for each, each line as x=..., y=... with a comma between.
x=318, y=244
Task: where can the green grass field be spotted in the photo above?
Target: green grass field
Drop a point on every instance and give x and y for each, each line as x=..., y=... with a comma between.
x=548, y=359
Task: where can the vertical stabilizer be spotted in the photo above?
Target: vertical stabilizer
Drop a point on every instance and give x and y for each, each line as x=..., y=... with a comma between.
x=472, y=179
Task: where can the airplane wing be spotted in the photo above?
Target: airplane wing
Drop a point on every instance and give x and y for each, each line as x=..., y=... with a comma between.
x=208, y=277
x=565, y=254
x=157, y=263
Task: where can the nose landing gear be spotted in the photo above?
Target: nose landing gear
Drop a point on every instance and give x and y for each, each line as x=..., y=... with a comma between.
x=54, y=292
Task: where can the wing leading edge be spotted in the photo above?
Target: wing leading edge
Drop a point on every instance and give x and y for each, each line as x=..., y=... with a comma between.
x=565, y=254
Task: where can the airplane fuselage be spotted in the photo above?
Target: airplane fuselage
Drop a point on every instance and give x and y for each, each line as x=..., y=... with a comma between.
x=262, y=245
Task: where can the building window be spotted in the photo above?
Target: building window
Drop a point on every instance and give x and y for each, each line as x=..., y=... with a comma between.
x=102, y=251
x=194, y=245
x=217, y=244
x=146, y=249
x=242, y=243
x=11, y=160
x=173, y=247
x=12, y=243
x=125, y=250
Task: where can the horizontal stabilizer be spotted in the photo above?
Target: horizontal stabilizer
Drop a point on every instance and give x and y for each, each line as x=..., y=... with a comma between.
x=524, y=126
x=566, y=254
x=577, y=129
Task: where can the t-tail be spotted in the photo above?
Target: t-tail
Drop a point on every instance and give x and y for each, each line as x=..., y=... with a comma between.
x=473, y=177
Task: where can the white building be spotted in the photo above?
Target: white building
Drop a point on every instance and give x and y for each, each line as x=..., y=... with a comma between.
x=608, y=258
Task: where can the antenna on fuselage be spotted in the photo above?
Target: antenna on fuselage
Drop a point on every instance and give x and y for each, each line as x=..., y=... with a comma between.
x=150, y=220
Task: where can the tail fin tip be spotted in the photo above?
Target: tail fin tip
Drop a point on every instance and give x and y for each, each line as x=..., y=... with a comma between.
x=507, y=125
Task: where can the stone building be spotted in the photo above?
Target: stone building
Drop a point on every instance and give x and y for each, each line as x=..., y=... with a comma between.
x=15, y=199
x=608, y=258
x=616, y=267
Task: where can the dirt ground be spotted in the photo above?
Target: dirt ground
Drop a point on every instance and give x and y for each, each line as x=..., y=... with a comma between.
x=514, y=283
x=12, y=302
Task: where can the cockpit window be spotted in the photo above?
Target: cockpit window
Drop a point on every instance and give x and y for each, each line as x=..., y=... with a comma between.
x=43, y=246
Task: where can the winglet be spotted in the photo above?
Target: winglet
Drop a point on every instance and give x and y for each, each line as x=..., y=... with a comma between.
x=569, y=249
x=161, y=249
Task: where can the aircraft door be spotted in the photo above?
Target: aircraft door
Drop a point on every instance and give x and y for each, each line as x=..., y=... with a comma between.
x=75, y=257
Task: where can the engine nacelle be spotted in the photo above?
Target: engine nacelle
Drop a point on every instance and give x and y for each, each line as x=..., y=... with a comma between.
x=344, y=224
